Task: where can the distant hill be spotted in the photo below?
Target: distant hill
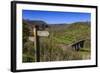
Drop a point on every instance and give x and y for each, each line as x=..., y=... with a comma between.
x=39, y=23
x=65, y=33
x=71, y=33
x=34, y=22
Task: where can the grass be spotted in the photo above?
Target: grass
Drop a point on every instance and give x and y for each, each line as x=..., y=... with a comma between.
x=86, y=53
x=28, y=58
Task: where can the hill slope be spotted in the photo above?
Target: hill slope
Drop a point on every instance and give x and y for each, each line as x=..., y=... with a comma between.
x=70, y=33
x=54, y=47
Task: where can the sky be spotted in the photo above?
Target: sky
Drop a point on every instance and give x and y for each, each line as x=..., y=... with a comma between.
x=55, y=17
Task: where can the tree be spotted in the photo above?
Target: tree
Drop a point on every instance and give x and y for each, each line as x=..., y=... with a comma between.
x=25, y=36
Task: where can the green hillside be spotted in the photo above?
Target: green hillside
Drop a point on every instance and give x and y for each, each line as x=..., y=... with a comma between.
x=70, y=33
x=57, y=46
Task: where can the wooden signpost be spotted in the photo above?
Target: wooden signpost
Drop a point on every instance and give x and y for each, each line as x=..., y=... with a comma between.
x=38, y=34
x=37, y=45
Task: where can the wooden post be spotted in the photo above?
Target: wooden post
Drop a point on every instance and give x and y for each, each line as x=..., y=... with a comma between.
x=37, y=45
